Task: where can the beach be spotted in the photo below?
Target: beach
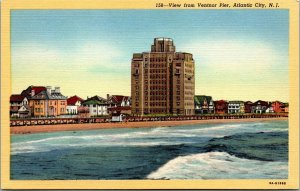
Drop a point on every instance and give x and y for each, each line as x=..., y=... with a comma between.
x=93, y=126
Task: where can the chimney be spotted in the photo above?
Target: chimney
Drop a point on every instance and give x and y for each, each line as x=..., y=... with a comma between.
x=48, y=89
x=107, y=96
x=57, y=89
x=32, y=92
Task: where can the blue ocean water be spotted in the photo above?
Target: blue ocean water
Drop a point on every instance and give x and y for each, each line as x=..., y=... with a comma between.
x=250, y=150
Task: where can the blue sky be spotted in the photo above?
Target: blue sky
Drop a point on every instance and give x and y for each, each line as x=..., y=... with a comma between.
x=239, y=54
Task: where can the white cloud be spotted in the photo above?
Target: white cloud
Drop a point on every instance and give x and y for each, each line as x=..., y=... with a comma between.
x=234, y=55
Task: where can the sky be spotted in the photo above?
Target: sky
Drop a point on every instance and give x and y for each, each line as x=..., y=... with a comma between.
x=239, y=54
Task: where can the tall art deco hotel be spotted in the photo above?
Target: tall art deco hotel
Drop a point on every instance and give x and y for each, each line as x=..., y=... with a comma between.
x=163, y=80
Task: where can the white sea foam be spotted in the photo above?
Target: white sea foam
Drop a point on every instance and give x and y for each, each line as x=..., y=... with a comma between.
x=219, y=165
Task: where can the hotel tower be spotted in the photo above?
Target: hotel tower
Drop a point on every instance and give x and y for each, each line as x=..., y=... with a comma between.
x=163, y=80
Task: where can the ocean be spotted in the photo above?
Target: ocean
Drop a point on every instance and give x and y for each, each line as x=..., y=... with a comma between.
x=248, y=150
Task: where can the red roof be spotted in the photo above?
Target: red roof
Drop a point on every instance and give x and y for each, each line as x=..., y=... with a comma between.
x=16, y=98
x=260, y=102
x=220, y=102
x=72, y=100
x=37, y=90
x=119, y=98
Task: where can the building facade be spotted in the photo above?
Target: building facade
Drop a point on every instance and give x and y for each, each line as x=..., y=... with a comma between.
x=45, y=102
x=204, y=104
x=119, y=104
x=72, y=105
x=221, y=107
x=248, y=106
x=97, y=106
x=278, y=106
x=236, y=107
x=259, y=107
x=19, y=106
x=162, y=80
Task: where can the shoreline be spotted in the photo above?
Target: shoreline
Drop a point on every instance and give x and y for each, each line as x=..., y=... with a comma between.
x=94, y=126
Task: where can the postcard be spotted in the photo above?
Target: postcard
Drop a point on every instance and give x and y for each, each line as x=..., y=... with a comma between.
x=149, y=94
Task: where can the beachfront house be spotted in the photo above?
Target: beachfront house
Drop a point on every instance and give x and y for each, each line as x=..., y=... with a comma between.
x=72, y=105
x=97, y=106
x=19, y=106
x=221, y=107
x=280, y=107
x=248, y=106
x=203, y=104
x=270, y=108
x=286, y=107
x=45, y=102
x=236, y=107
x=119, y=103
x=259, y=107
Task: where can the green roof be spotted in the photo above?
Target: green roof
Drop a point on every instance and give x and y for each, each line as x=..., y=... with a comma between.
x=92, y=102
x=199, y=99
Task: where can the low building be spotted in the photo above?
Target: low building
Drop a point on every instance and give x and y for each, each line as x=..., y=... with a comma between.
x=204, y=104
x=19, y=106
x=97, y=106
x=72, y=105
x=278, y=106
x=221, y=107
x=259, y=107
x=83, y=111
x=248, y=106
x=286, y=107
x=45, y=101
x=270, y=108
x=236, y=107
x=119, y=103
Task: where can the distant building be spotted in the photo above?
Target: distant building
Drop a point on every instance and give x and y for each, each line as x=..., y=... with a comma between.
x=248, y=106
x=163, y=80
x=280, y=107
x=83, y=111
x=286, y=107
x=72, y=105
x=277, y=106
x=119, y=104
x=236, y=107
x=270, y=108
x=259, y=107
x=97, y=106
x=204, y=104
x=45, y=102
x=19, y=106
x=221, y=107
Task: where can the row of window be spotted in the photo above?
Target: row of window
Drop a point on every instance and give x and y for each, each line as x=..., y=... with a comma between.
x=39, y=110
x=233, y=106
x=189, y=71
x=155, y=71
x=38, y=102
x=157, y=97
x=156, y=104
x=156, y=110
x=157, y=81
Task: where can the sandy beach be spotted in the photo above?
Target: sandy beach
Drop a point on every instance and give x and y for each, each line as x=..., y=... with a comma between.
x=87, y=126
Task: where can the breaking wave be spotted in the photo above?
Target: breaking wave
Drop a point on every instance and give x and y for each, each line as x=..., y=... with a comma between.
x=219, y=165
